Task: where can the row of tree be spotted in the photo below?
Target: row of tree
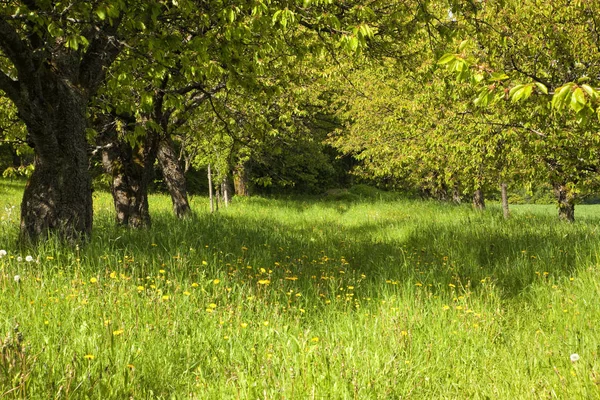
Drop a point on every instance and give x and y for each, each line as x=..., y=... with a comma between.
x=452, y=97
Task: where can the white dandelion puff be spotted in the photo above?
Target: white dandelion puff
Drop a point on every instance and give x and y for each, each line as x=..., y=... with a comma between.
x=29, y=259
x=574, y=357
x=3, y=253
x=17, y=278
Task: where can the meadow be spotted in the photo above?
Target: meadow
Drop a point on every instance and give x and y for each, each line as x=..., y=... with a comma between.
x=369, y=298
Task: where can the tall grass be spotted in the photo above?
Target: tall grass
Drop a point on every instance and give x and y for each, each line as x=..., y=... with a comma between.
x=305, y=299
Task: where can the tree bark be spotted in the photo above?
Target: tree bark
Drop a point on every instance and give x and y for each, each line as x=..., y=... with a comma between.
x=226, y=188
x=504, y=194
x=240, y=179
x=174, y=178
x=456, y=194
x=478, y=200
x=566, y=202
x=131, y=169
x=58, y=195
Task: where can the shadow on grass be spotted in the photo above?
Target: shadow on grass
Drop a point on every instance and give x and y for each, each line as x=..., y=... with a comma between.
x=476, y=246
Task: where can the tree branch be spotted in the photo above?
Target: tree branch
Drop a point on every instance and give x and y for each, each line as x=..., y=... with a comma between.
x=16, y=50
x=10, y=87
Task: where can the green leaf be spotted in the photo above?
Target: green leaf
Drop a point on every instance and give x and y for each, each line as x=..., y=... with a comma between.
x=590, y=91
x=542, y=88
x=447, y=58
x=578, y=100
x=561, y=96
x=498, y=76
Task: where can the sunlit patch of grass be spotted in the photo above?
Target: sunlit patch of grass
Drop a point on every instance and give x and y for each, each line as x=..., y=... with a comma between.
x=301, y=299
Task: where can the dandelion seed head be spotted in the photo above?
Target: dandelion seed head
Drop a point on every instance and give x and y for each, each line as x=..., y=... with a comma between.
x=574, y=357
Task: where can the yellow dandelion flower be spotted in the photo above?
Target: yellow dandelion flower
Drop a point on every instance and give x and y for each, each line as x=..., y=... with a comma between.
x=451, y=285
x=93, y=280
x=264, y=282
x=118, y=332
x=244, y=325
x=212, y=305
x=113, y=275
x=204, y=262
x=244, y=248
x=404, y=333
x=186, y=293
x=140, y=288
x=216, y=281
x=446, y=307
x=262, y=270
x=166, y=297
x=314, y=340
x=291, y=278
x=417, y=284
x=130, y=366
x=89, y=357
x=350, y=287
x=162, y=271
x=194, y=284
x=266, y=323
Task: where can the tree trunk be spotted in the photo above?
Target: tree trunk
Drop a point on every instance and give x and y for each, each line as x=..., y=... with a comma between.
x=174, y=178
x=478, y=200
x=226, y=187
x=456, y=194
x=504, y=193
x=210, y=190
x=240, y=179
x=58, y=195
x=566, y=202
x=131, y=169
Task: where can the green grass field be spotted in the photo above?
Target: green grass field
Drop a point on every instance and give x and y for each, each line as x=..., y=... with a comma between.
x=305, y=299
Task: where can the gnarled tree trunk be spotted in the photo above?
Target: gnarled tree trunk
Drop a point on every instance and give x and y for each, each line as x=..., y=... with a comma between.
x=174, y=178
x=58, y=195
x=131, y=169
x=566, y=202
x=478, y=200
x=240, y=179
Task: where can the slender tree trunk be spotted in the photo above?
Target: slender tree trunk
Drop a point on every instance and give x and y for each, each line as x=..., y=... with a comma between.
x=174, y=178
x=504, y=194
x=226, y=191
x=240, y=179
x=132, y=171
x=478, y=200
x=210, y=190
x=566, y=202
x=58, y=195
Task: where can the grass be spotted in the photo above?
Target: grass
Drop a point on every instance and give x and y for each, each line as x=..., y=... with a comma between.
x=301, y=299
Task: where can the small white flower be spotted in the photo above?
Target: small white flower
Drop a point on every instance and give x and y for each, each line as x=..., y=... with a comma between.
x=574, y=357
x=17, y=278
x=3, y=253
x=19, y=259
x=29, y=259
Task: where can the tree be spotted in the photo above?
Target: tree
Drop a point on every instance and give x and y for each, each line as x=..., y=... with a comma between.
x=55, y=59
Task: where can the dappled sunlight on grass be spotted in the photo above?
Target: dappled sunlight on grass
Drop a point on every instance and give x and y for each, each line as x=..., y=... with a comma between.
x=297, y=298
